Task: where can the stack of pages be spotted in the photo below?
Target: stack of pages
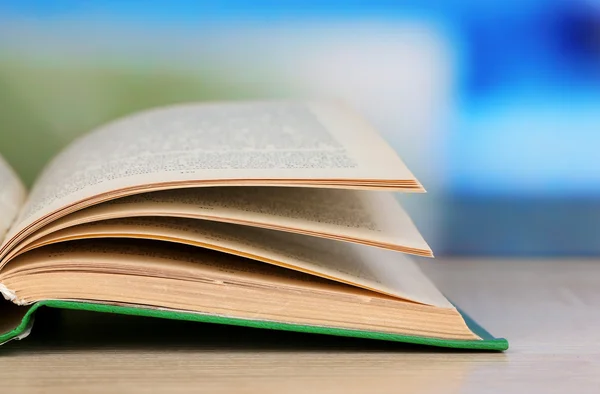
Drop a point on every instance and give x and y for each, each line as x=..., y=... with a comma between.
x=278, y=215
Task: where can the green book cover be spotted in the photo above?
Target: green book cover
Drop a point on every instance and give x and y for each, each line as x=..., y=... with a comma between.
x=487, y=342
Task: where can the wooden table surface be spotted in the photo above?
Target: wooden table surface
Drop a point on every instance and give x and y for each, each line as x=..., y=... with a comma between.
x=549, y=311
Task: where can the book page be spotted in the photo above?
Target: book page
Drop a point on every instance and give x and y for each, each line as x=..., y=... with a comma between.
x=260, y=143
x=12, y=196
x=370, y=268
x=179, y=277
x=372, y=218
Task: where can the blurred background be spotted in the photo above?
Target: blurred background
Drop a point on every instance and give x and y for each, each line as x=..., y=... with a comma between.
x=494, y=105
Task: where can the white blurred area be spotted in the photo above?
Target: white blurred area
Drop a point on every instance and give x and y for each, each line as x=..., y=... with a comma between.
x=399, y=75
x=400, y=78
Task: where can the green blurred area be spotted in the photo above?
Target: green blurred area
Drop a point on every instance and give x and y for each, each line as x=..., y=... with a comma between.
x=44, y=107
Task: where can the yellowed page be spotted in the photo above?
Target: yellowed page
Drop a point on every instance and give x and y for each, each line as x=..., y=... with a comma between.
x=163, y=275
x=372, y=218
x=374, y=269
x=261, y=143
x=12, y=196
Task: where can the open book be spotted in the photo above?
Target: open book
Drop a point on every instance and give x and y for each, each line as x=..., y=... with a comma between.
x=265, y=214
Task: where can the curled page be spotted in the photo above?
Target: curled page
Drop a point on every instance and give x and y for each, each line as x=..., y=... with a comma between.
x=12, y=196
x=210, y=144
x=357, y=216
x=362, y=266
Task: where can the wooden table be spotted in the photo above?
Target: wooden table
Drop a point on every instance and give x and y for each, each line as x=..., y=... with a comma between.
x=549, y=310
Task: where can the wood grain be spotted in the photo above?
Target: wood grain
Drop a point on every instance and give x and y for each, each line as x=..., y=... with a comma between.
x=549, y=311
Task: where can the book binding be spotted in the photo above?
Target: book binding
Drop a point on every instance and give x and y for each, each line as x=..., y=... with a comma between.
x=487, y=343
